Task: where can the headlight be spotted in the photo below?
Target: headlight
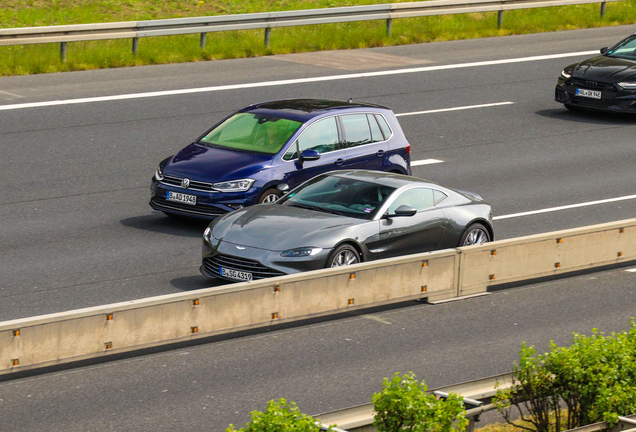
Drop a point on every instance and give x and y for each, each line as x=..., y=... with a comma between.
x=234, y=185
x=565, y=75
x=159, y=173
x=628, y=85
x=207, y=234
x=301, y=252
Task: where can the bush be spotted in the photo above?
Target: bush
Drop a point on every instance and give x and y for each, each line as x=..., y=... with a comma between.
x=404, y=405
x=279, y=416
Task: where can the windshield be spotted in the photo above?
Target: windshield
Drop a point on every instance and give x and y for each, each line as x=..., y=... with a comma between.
x=252, y=133
x=624, y=49
x=339, y=195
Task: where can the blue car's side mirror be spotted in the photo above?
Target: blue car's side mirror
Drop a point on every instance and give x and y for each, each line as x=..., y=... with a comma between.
x=308, y=155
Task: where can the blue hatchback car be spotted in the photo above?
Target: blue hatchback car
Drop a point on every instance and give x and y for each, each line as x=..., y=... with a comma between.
x=252, y=155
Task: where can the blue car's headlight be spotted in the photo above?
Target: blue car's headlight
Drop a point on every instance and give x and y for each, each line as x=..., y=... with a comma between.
x=234, y=185
x=301, y=252
x=159, y=173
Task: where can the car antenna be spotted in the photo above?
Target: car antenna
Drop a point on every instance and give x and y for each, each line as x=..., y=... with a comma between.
x=350, y=100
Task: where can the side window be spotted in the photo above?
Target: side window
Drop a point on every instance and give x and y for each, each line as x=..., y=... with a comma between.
x=386, y=130
x=376, y=133
x=439, y=196
x=356, y=130
x=322, y=137
x=292, y=152
x=418, y=198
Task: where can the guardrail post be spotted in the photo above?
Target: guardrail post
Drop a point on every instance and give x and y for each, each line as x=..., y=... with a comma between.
x=135, y=46
x=63, y=52
x=499, y=19
x=268, y=31
x=389, y=26
x=603, y=9
x=202, y=40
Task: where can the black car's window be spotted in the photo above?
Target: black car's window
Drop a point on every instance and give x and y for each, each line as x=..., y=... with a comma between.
x=439, y=196
x=322, y=137
x=418, y=198
x=624, y=49
x=356, y=129
x=386, y=130
x=339, y=195
x=252, y=132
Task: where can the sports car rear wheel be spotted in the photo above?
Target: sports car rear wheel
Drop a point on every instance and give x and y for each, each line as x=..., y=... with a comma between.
x=474, y=235
x=344, y=255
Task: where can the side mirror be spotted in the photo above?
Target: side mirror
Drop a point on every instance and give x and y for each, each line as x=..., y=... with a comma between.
x=283, y=187
x=308, y=155
x=604, y=50
x=402, y=211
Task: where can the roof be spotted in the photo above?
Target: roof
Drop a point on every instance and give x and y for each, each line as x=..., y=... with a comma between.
x=305, y=109
x=383, y=178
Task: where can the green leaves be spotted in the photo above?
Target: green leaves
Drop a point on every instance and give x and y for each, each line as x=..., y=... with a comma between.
x=404, y=405
x=280, y=416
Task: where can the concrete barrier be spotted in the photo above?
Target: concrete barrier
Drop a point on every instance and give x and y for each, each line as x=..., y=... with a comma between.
x=93, y=332
x=547, y=254
x=103, y=330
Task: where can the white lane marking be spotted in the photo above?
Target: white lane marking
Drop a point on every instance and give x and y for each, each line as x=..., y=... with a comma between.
x=425, y=162
x=454, y=109
x=631, y=270
x=565, y=207
x=11, y=94
x=376, y=318
x=293, y=81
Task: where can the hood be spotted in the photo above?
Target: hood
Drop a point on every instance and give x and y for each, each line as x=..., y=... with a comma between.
x=603, y=68
x=278, y=228
x=209, y=164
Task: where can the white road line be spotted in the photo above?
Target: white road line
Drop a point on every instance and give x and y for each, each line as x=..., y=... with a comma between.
x=631, y=270
x=454, y=109
x=294, y=81
x=565, y=207
x=11, y=94
x=425, y=162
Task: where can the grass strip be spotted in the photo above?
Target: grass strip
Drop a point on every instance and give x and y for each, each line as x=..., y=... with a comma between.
x=45, y=58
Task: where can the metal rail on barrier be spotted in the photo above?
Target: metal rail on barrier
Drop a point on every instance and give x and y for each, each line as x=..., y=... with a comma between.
x=267, y=20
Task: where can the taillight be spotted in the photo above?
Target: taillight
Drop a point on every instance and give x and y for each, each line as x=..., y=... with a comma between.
x=408, y=148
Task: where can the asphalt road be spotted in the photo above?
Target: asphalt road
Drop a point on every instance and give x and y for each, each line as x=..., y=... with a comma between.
x=76, y=230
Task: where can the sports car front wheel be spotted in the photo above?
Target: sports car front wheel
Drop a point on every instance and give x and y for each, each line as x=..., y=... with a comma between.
x=343, y=256
x=474, y=235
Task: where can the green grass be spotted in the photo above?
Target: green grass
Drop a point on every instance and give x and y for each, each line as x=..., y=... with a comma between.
x=32, y=59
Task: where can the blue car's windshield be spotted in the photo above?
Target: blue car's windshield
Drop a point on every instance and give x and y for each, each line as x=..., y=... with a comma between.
x=252, y=133
x=624, y=49
x=339, y=195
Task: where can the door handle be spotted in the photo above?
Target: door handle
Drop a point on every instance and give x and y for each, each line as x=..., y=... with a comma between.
x=380, y=153
x=339, y=161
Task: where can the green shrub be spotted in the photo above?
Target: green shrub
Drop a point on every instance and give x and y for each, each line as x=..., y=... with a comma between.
x=279, y=416
x=404, y=405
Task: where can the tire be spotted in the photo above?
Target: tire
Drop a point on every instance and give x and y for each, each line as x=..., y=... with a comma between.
x=343, y=255
x=270, y=195
x=474, y=234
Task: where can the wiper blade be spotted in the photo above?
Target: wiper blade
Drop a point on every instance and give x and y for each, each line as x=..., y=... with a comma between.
x=316, y=208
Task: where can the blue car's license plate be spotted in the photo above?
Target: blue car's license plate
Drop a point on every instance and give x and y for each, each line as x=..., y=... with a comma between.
x=181, y=197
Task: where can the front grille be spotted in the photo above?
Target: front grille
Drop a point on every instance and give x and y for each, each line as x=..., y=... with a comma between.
x=161, y=204
x=194, y=185
x=609, y=92
x=258, y=270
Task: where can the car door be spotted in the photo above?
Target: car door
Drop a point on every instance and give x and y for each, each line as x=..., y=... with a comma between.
x=363, y=141
x=404, y=235
x=324, y=138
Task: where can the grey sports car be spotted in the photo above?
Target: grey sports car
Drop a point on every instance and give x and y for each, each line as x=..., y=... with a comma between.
x=342, y=218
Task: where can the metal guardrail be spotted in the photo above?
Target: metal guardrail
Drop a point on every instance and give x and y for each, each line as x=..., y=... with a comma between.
x=478, y=392
x=268, y=20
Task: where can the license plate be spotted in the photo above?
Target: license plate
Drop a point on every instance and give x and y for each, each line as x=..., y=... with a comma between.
x=235, y=274
x=594, y=94
x=181, y=197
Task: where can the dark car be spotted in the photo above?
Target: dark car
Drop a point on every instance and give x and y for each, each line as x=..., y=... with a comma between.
x=342, y=218
x=243, y=159
x=605, y=82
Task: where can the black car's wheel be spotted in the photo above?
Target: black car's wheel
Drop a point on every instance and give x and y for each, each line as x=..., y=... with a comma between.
x=474, y=235
x=270, y=196
x=343, y=255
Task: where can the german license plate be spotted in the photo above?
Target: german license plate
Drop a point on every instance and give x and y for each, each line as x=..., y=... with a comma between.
x=235, y=274
x=594, y=94
x=181, y=197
